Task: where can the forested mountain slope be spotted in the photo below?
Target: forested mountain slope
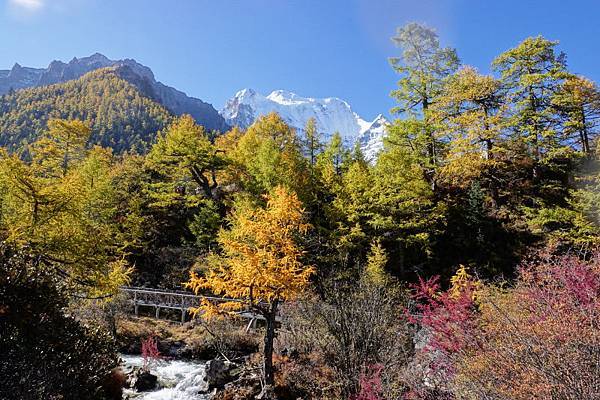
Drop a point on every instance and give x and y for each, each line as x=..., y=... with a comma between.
x=120, y=115
x=177, y=102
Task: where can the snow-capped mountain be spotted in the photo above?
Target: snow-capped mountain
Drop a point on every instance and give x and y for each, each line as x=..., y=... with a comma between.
x=331, y=115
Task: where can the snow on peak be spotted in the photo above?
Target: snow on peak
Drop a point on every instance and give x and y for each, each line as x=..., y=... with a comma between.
x=331, y=114
x=246, y=93
x=286, y=98
x=380, y=119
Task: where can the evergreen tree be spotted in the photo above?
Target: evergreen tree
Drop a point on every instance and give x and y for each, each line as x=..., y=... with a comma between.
x=471, y=113
x=424, y=67
x=184, y=152
x=268, y=155
x=533, y=73
x=65, y=206
x=117, y=113
x=312, y=143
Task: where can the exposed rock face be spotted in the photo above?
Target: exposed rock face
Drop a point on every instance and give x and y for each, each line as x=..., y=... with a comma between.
x=137, y=74
x=331, y=115
x=18, y=78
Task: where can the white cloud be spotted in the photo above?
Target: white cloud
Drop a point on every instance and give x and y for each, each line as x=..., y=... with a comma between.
x=27, y=5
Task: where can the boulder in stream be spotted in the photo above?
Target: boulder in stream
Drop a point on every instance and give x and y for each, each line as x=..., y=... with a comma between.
x=141, y=380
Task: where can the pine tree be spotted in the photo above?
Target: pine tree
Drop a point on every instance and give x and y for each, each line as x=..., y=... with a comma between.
x=65, y=205
x=471, y=113
x=267, y=155
x=578, y=104
x=185, y=150
x=64, y=142
x=312, y=143
x=377, y=260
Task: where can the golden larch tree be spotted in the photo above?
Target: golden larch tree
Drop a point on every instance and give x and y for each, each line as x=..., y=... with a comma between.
x=259, y=265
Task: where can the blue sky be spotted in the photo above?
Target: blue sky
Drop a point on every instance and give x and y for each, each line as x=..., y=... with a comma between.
x=318, y=48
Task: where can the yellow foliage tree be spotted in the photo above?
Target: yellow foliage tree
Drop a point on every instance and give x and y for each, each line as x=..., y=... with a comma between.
x=267, y=155
x=578, y=102
x=184, y=151
x=463, y=280
x=471, y=115
x=260, y=264
x=64, y=205
x=376, y=262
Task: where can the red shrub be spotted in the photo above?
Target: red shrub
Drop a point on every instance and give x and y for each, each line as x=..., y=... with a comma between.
x=447, y=316
x=370, y=384
x=150, y=352
x=533, y=339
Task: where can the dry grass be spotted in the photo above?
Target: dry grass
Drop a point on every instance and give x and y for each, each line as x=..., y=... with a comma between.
x=198, y=340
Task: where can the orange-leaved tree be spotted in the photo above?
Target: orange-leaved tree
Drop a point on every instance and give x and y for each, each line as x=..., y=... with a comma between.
x=259, y=265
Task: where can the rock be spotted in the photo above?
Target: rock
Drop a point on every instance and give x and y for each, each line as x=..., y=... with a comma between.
x=133, y=348
x=186, y=352
x=113, y=384
x=175, y=349
x=145, y=381
x=164, y=346
x=141, y=380
x=219, y=373
x=421, y=338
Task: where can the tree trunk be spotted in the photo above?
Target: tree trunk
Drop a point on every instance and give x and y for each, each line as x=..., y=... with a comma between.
x=431, y=170
x=268, y=351
x=489, y=155
x=535, y=135
x=111, y=319
x=585, y=142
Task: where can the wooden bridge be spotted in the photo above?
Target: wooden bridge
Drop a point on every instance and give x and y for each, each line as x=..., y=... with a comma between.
x=176, y=300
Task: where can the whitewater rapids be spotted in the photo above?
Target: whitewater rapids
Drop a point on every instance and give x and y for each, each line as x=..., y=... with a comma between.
x=177, y=379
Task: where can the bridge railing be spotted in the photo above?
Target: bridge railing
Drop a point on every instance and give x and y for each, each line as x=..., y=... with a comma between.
x=175, y=300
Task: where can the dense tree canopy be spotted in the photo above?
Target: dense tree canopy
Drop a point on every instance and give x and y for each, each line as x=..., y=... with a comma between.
x=119, y=116
x=64, y=204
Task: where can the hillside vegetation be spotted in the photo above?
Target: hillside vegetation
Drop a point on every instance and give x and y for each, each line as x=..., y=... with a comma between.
x=120, y=116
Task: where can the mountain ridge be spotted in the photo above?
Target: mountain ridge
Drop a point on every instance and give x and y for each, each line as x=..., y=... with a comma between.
x=332, y=114
x=141, y=76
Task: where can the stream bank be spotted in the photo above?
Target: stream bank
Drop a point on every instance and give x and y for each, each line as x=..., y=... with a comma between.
x=194, y=358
